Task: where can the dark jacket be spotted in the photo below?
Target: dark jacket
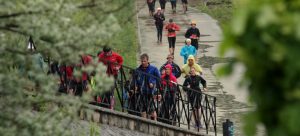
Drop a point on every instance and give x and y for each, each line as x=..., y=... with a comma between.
x=194, y=82
x=192, y=33
x=159, y=19
x=143, y=80
x=175, y=69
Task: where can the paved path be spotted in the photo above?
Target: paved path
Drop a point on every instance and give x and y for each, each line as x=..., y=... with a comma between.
x=231, y=102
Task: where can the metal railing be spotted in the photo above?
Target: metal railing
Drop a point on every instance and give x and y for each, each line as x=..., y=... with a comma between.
x=174, y=104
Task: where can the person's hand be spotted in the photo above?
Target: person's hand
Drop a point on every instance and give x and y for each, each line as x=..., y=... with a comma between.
x=151, y=85
x=204, y=89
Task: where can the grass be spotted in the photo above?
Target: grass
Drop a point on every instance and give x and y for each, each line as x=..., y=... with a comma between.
x=220, y=10
x=125, y=42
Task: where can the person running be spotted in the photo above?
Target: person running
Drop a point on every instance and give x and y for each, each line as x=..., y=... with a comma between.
x=186, y=68
x=146, y=80
x=172, y=28
x=159, y=23
x=184, y=5
x=193, y=33
x=151, y=6
x=187, y=50
x=195, y=95
x=169, y=88
x=162, y=5
x=175, y=68
x=114, y=62
x=173, y=4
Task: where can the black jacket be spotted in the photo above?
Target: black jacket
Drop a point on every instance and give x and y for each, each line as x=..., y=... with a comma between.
x=159, y=19
x=192, y=31
x=194, y=82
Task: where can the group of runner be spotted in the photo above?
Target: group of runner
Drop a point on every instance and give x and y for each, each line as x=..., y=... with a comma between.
x=191, y=70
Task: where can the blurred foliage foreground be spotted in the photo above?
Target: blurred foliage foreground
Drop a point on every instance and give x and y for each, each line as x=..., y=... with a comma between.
x=265, y=35
x=62, y=30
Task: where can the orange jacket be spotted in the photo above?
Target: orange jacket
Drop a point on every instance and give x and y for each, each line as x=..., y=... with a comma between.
x=172, y=28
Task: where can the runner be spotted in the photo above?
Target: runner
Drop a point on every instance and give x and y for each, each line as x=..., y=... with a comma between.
x=169, y=82
x=187, y=50
x=195, y=95
x=193, y=33
x=175, y=68
x=162, y=5
x=184, y=5
x=146, y=85
x=173, y=4
x=159, y=23
x=114, y=62
x=151, y=6
x=186, y=68
x=172, y=28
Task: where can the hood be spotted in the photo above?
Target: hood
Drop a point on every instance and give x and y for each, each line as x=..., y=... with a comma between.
x=191, y=57
x=170, y=67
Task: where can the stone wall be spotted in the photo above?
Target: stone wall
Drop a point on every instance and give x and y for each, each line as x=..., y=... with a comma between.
x=135, y=123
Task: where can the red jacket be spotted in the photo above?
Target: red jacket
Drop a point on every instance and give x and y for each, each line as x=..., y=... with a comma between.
x=174, y=27
x=113, y=62
x=170, y=77
x=86, y=59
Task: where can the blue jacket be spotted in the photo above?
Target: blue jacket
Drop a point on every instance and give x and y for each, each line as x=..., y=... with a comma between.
x=186, y=51
x=142, y=80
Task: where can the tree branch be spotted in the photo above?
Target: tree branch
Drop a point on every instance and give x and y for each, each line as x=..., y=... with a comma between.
x=22, y=13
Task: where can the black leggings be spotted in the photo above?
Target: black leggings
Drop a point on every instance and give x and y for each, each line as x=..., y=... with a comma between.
x=171, y=41
x=159, y=32
x=195, y=43
x=173, y=4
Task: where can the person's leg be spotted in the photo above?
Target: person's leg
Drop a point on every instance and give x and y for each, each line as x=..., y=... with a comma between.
x=160, y=32
x=143, y=105
x=157, y=29
x=173, y=44
x=170, y=44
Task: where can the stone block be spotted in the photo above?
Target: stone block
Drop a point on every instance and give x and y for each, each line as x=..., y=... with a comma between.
x=104, y=118
x=96, y=117
x=131, y=125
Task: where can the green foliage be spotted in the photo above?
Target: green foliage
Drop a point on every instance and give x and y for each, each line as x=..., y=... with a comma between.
x=63, y=30
x=265, y=35
x=219, y=10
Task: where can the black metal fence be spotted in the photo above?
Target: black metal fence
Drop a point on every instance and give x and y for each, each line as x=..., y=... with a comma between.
x=173, y=103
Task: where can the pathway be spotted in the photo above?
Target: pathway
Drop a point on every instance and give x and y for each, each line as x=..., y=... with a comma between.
x=231, y=102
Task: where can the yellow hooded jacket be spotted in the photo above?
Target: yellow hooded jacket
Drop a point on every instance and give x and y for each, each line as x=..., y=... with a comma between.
x=186, y=68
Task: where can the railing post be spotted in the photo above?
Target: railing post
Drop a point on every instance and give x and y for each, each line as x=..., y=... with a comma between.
x=206, y=116
x=122, y=89
x=215, y=115
x=178, y=106
x=188, y=109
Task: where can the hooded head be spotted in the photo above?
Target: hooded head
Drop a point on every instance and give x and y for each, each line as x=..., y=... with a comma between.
x=168, y=69
x=191, y=60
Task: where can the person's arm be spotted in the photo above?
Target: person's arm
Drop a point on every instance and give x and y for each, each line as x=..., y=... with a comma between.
x=194, y=51
x=203, y=82
x=177, y=28
x=185, y=84
x=163, y=17
x=182, y=52
x=120, y=60
x=187, y=34
x=198, y=33
x=177, y=71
